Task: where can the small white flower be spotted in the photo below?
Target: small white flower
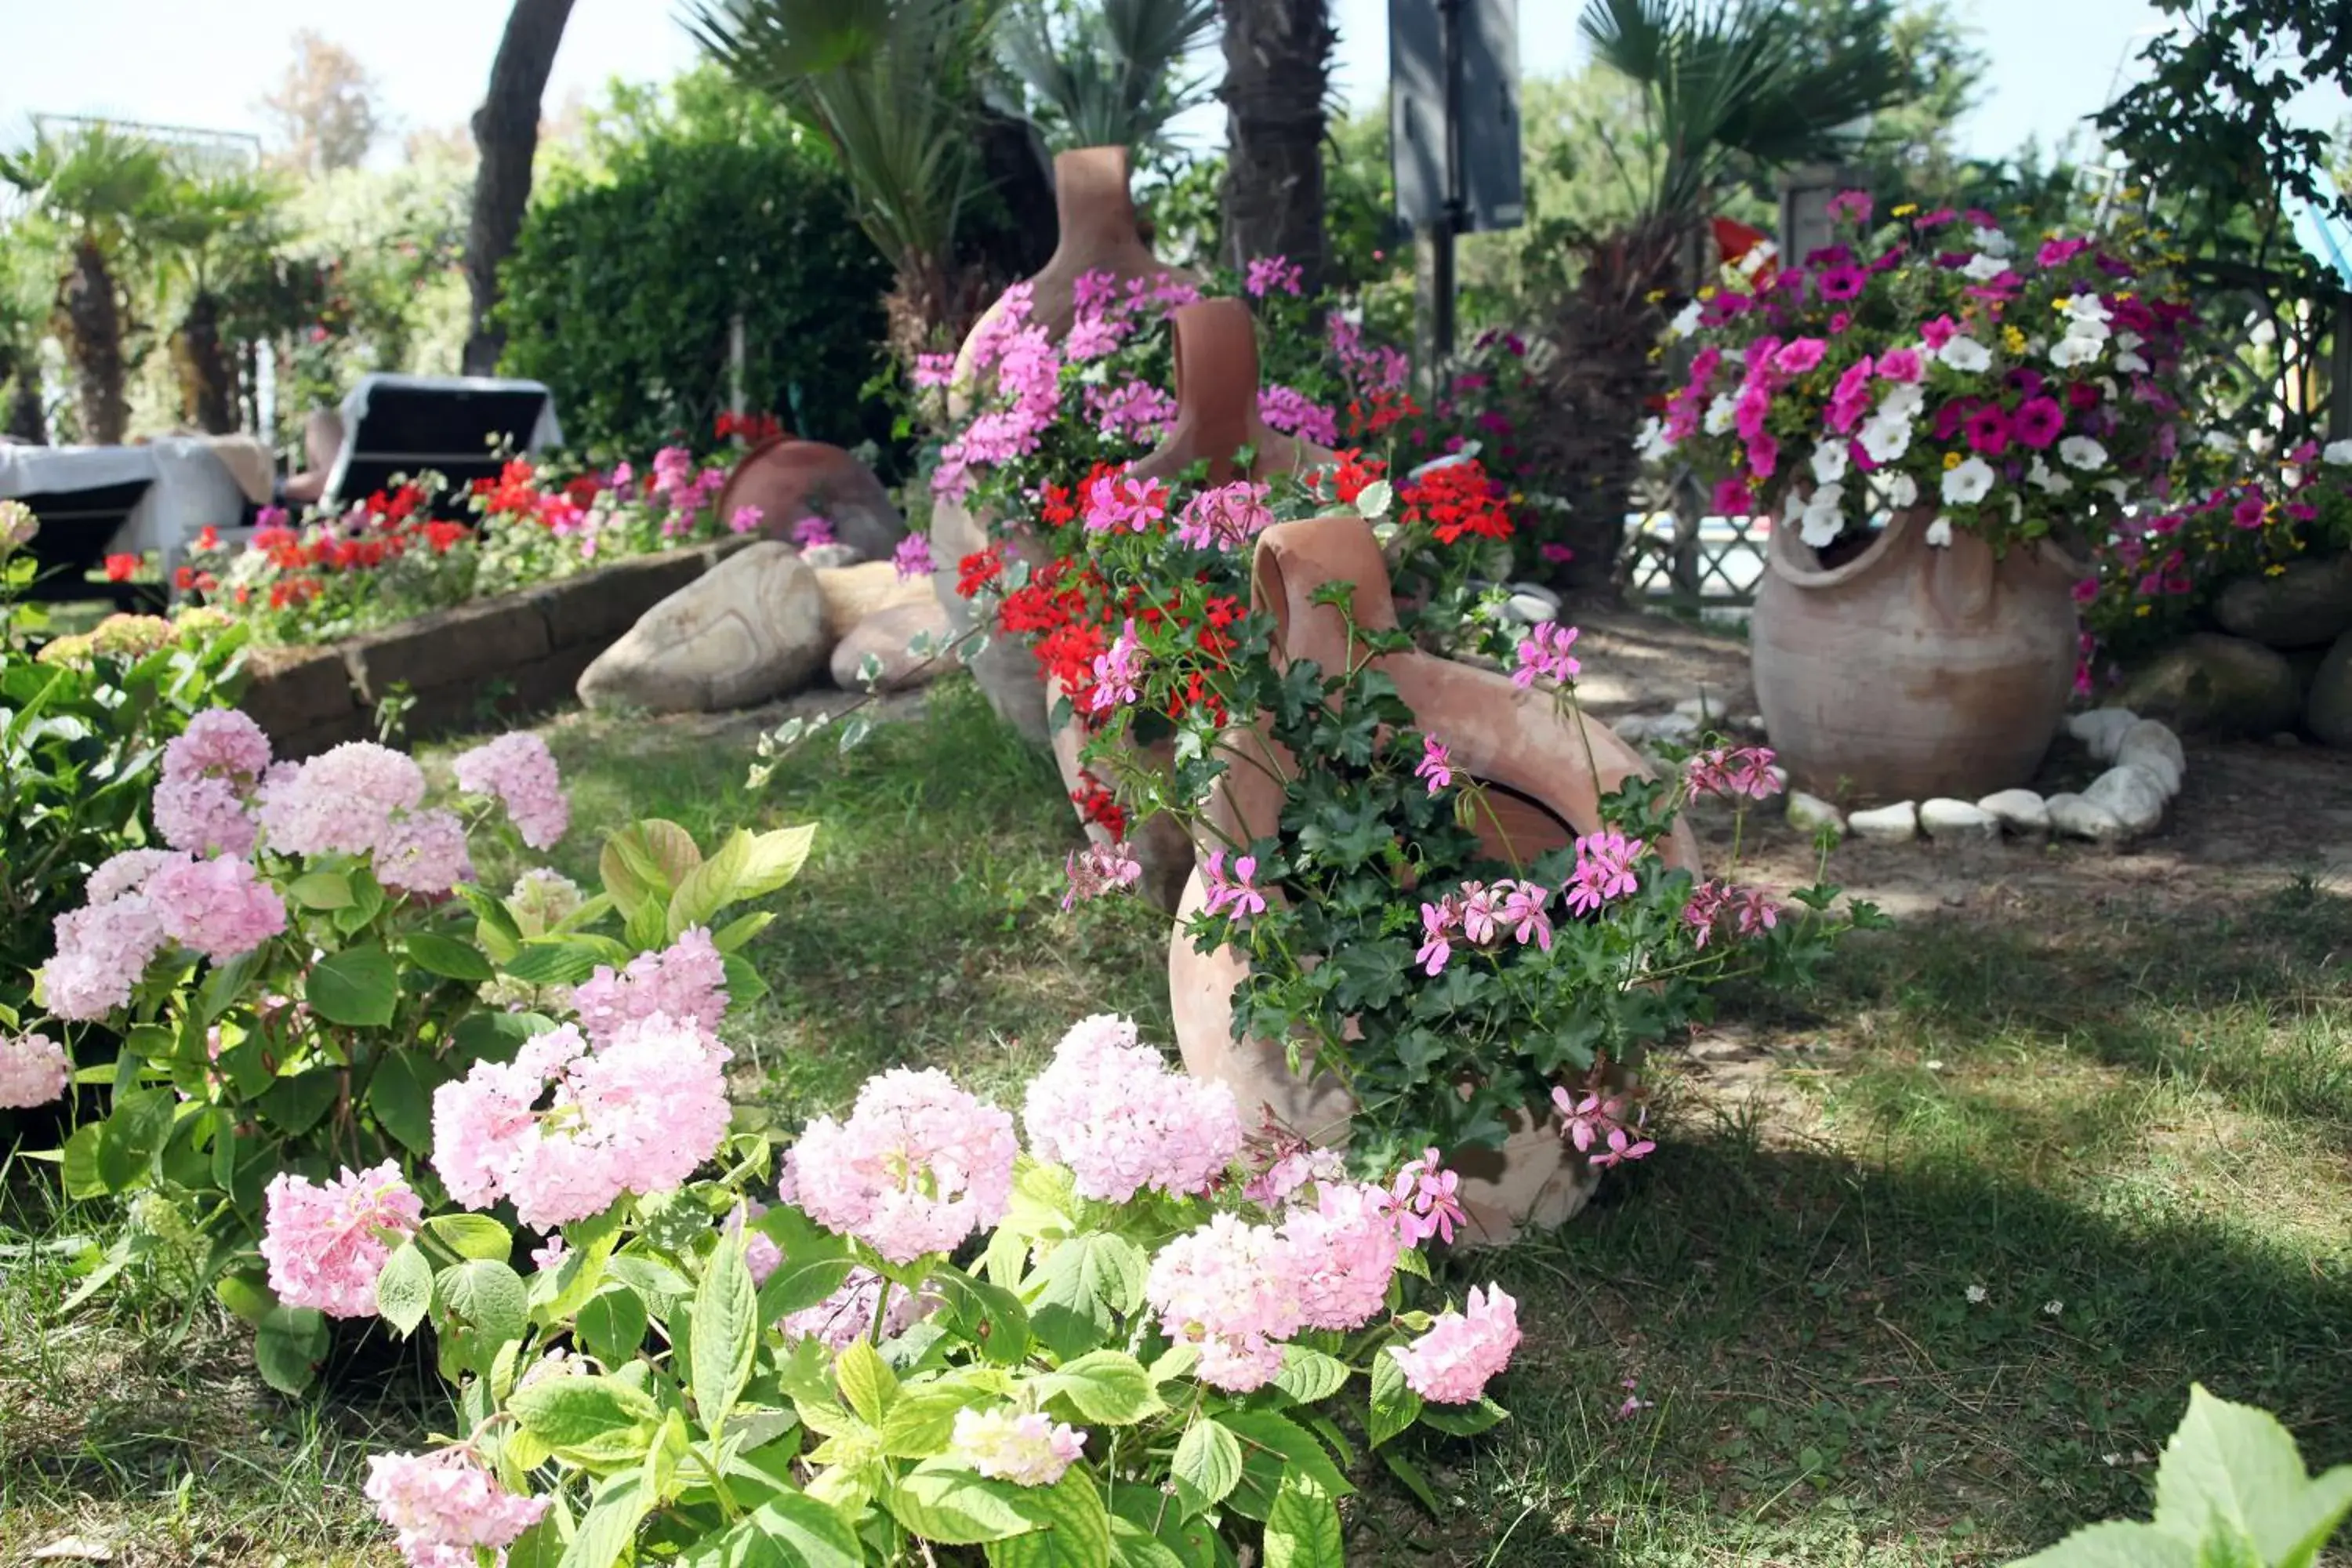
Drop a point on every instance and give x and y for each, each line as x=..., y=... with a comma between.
x=2130, y=362
x=1992, y=241
x=2228, y=445
x=1824, y=517
x=2336, y=452
x=1933, y=1066
x=1720, y=414
x=1963, y=352
x=2115, y=488
x=1970, y=483
x=2053, y=1307
x=1685, y=321
x=2071, y=351
x=1886, y=439
x=2088, y=308
x=2260, y=440
x=1939, y=534
x=1653, y=443
x=1830, y=461
x=2081, y=452
x=1901, y=490
x=1983, y=266
x=1903, y=401
x=1792, y=507
x=1976, y=1295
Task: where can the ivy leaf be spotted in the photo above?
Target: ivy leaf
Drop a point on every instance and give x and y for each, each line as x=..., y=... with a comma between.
x=1207, y=1465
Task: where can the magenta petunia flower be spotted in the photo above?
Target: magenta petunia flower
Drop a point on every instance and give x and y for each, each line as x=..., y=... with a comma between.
x=1841, y=282
x=2037, y=421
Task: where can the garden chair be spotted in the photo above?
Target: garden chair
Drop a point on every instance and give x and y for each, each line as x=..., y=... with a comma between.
x=462, y=427
x=81, y=523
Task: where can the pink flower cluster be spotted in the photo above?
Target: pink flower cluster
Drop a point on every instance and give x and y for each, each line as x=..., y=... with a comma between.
x=1604, y=870
x=210, y=772
x=811, y=531
x=33, y=1071
x=1436, y=764
x=1596, y=1124
x=636, y=1113
x=676, y=481
x=1120, y=500
x=912, y=558
x=1712, y=906
x=1426, y=1199
x=1269, y=273
x=140, y=900
x=1027, y=1448
x=518, y=770
x=1237, y=895
x=1294, y=414
x=918, y=1166
x=1463, y=1351
x=445, y=1504
x=1736, y=773
x=326, y=1242
x=1222, y=517
x=1480, y=916
x=1114, y=1113
x=1028, y=379
x=217, y=907
x=1544, y=655
x=1136, y=412
x=364, y=799
x=1097, y=869
x=1368, y=368
x=686, y=981
x=1118, y=672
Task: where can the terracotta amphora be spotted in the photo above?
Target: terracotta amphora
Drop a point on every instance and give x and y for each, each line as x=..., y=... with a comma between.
x=1544, y=776
x=789, y=480
x=1912, y=670
x=1097, y=234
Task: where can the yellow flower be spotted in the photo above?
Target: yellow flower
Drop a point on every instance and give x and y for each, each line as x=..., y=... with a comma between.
x=2275, y=571
x=1517, y=497
x=1706, y=291
x=2139, y=610
x=1905, y=210
x=1655, y=295
x=1951, y=461
x=2012, y=340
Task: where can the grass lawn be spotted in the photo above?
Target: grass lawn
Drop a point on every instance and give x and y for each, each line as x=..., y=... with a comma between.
x=1920, y=1273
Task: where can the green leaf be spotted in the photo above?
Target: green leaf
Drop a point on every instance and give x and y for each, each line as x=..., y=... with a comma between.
x=1207, y=1465
x=400, y=1093
x=1108, y=1386
x=2234, y=1466
x=130, y=1135
x=613, y=1324
x=1272, y=1445
x=483, y=1306
x=731, y=937
x=611, y=1525
x=299, y=1103
x=725, y=1332
x=544, y=962
x=1133, y=1545
x=646, y=859
x=1086, y=1284
x=1462, y=1420
x=774, y=859
x=357, y=987
x=1076, y=1533
x=321, y=891
x=449, y=958
x=1408, y=1472
x=403, y=1287
x=288, y=1346
x=1307, y=1375
x=1395, y=1406
x=82, y=1174
x=788, y=1531
x=472, y=1235
x=600, y=1422
x=988, y=1317
x=866, y=1381
x=744, y=986
x=950, y=1506
x=2115, y=1545
x=1303, y=1529
x=921, y=1420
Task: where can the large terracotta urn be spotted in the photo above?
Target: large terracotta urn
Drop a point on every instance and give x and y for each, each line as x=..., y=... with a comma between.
x=1097, y=234
x=1912, y=670
x=1545, y=775
x=788, y=479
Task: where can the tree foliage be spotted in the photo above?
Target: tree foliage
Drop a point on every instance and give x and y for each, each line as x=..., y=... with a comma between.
x=323, y=108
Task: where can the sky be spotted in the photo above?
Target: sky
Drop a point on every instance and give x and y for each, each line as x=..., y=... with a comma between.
x=169, y=61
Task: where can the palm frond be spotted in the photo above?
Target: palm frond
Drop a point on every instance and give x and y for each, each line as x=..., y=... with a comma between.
x=1111, y=80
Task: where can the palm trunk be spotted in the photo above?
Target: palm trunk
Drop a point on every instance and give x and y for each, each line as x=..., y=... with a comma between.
x=506, y=130
x=1277, y=70
x=207, y=374
x=1599, y=382
x=91, y=315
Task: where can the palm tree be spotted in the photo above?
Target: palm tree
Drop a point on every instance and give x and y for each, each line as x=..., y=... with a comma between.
x=1110, y=78
x=1728, y=89
x=213, y=233
x=1277, y=85
x=95, y=189
x=22, y=311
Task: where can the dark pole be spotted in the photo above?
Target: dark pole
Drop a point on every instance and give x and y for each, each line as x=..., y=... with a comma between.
x=1449, y=21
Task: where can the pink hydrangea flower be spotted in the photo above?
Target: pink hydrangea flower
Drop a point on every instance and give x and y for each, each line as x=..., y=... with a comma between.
x=1604, y=870
x=1027, y=1448
x=128, y=872
x=1544, y=655
x=847, y=1315
x=340, y=801
x=1113, y=1111
x=519, y=771
x=1228, y=1287
x=204, y=815
x=101, y=953
x=216, y=908
x=1343, y=1252
x=686, y=981
x=1097, y=869
x=445, y=1504
x=1237, y=893
x=762, y=1255
x=33, y=1071
x=1463, y=1351
x=326, y=1242
x=912, y=558
x=918, y=1166
x=423, y=852
x=220, y=743
x=1436, y=764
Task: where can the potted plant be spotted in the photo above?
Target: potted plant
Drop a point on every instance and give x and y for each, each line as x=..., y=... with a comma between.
x=1925, y=413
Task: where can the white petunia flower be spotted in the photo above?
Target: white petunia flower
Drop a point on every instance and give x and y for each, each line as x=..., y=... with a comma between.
x=1901, y=490
x=1992, y=241
x=2336, y=452
x=1886, y=439
x=1685, y=321
x=1653, y=443
x=1824, y=515
x=2228, y=445
x=2071, y=351
x=1939, y=534
x=1903, y=401
x=1982, y=267
x=2088, y=308
x=2084, y=453
x=2042, y=476
x=1963, y=352
x=1720, y=414
x=1792, y=507
x=2130, y=362
x=1970, y=483
x=2115, y=488
x=1830, y=461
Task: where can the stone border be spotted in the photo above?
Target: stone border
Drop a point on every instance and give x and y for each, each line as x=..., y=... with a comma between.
x=498, y=658
x=2123, y=804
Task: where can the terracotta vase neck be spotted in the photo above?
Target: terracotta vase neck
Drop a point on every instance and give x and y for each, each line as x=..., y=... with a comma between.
x=1216, y=385
x=1092, y=209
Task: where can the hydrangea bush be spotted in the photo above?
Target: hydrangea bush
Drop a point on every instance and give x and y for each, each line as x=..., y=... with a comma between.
x=901, y=1337
x=2014, y=386
x=306, y=958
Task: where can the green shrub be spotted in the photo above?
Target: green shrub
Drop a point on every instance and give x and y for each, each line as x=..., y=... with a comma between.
x=684, y=211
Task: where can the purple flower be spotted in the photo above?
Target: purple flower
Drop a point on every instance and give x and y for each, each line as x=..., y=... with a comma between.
x=1841, y=282
x=2037, y=421
x=1987, y=430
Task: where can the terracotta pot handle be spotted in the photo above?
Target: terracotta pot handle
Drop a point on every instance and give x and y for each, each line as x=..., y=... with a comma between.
x=1295, y=559
x=1216, y=383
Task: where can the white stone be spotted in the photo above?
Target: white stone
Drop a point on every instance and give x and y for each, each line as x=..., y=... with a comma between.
x=1538, y=593
x=750, y=629
x=1640, y=729
x=1527, y=610
x=832, y=556
x=1896, y=824
x=885, y=636
x=1945, y=819
x=2132, y=795
x=2102, y=729
x=2148, y=745
x=2021, y=811
x=852, y=594
x=2079, y=818
x=1810, y=814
